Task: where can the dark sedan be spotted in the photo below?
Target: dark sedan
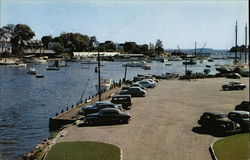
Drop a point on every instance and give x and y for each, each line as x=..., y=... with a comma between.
x=134, y=92
x=243, y=106
x=108, y=115
x=241, y=117
x=234, y=85
x=100, y=105
x=217, y=122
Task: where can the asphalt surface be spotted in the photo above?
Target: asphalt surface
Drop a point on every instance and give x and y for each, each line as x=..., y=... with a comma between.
x=164, y=123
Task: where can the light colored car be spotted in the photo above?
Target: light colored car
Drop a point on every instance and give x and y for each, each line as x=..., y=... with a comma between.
x=148, y=83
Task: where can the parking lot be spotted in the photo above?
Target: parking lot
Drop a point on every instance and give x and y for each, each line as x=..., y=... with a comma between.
x=162, y=122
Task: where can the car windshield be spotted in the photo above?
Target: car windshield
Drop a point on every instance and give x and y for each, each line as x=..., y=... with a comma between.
x=221, y=116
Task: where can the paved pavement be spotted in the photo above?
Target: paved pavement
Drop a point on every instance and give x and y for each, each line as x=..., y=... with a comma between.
x=162, y=122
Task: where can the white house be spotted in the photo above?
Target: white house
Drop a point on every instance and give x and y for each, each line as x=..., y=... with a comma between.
x=5, y=43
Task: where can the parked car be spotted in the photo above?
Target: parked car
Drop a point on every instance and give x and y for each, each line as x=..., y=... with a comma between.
x=100, y=105
x=234, y=85
x=134, y=92
x=243, y=106
x=134, y=85
x=108, y=115
x=147, y=83
x=233, y=75
x=124, y=100
x=138, y=85
x=217, y=122
x=241, y=117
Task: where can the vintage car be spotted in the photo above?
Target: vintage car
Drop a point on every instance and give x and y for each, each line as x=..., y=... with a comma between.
x=234, y=85
x=217, y=122
x=138, y=85
x=124, y=100
x=134, y=85
x=100, y=105
x=134, y=92
x=233, y=75
x=242, y=118
x=148, y=83
x=108, y=115
x=243, y=106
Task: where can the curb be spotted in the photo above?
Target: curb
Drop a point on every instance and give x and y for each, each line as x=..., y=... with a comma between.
x=211, y=150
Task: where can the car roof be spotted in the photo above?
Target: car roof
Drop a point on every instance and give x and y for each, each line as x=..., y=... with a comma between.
x=103, y=102
x=239, y=112
x=135, y=87
x=124, y=95
x=110, y=109
x=213, y=113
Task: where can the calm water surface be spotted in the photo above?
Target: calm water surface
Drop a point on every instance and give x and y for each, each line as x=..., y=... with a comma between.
x=27, y=102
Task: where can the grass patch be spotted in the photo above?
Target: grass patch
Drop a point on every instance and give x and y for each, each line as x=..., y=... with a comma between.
x=83, y=151
x=235, y=147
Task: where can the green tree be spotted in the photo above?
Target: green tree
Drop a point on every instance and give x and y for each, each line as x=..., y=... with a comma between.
x=74, y=41
x=108, y=46
x=21, y=32
x=46, y=40
x=159, y=47
x=131, y=47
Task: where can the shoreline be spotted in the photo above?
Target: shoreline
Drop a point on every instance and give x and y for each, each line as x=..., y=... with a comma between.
x=150, y=132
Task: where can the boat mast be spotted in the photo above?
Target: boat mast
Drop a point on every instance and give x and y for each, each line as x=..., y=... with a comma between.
x=246, y=43
x=195, y=49
x=99, y=77
x=235, y=59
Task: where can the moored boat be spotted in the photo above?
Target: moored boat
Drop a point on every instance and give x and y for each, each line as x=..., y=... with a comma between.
x=190, y=62
x=146, y=66
x=31, y=70
x=134, y=64
x=105, y=84
x=39, y=75
x=168, y=64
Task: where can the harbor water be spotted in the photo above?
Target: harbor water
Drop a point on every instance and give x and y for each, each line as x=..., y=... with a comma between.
x=27, y=102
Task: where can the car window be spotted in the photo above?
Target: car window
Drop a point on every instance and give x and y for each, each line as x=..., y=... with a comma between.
x=221, y=116
x=245, y=116
x=110, y=112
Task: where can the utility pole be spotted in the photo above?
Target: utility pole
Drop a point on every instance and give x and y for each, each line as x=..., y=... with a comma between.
x=186, y=65
x=235, y=58
x=99, y=77
x=195, y=49
x=246, y=43
x=125, y=74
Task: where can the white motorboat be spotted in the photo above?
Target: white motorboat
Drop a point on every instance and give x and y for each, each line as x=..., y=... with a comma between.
x=89, y=61
x=40, y=60
x=104, y=85
x=8, y=62
x=39, y=75
x=168, y=64
x=146, y=66
x=32, y=70
x=174, y=58
x=134, y=64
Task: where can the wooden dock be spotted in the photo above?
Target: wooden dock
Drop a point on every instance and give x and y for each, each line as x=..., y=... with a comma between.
x=70, y=115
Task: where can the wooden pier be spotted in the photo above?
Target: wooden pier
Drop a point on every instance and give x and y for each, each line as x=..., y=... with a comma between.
x=70, y=115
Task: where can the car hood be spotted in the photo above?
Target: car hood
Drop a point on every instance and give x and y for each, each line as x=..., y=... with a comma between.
x=224, y=120
x=87, y=107
x=124, y=91
x=92, y=115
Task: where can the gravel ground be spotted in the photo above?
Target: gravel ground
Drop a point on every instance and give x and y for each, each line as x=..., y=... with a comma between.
x=162, y=122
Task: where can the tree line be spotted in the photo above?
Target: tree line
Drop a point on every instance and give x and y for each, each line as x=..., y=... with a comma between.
x=76, y=42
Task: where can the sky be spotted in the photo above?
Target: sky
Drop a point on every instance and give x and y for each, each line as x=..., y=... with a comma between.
x=179, y=22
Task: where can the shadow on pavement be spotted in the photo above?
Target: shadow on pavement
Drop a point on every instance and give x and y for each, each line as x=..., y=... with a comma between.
x=212, y=132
